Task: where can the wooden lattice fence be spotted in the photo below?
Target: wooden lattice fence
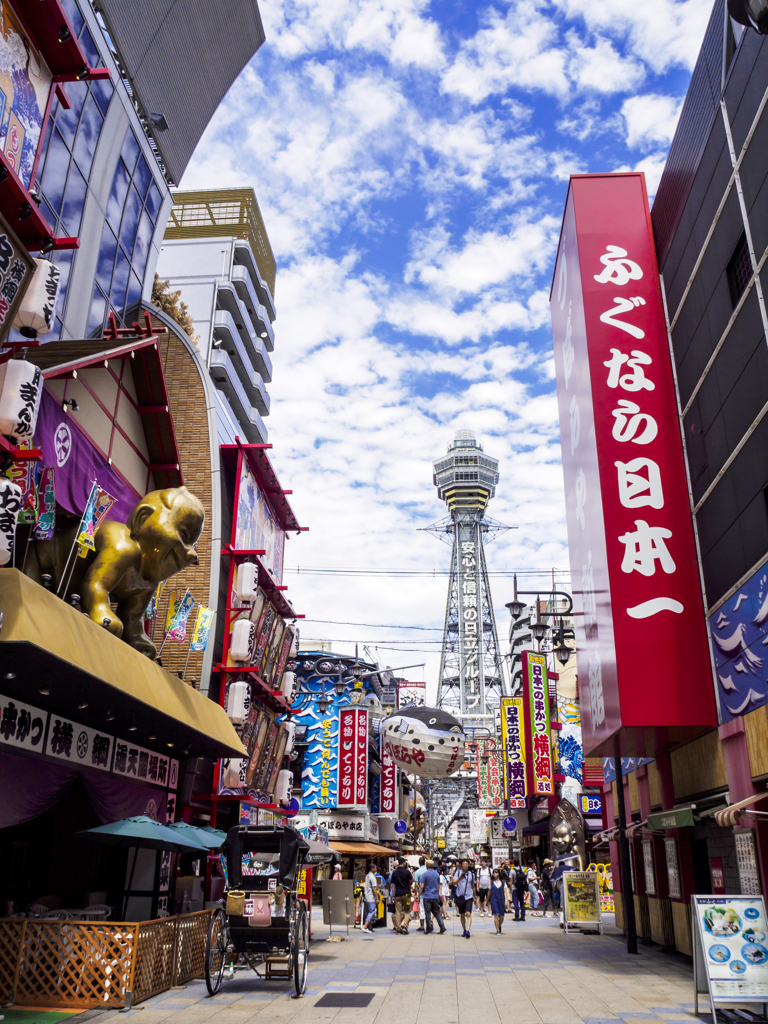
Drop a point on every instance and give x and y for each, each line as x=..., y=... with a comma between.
x=106, y=963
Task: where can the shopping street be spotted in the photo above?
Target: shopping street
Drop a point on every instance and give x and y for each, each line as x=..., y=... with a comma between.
x=532, y=974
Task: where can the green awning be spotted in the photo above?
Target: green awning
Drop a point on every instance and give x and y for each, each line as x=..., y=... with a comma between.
x=680, y=817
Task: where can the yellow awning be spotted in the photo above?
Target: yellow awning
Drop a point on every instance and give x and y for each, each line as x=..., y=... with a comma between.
x=362, y=849
x=47, y=644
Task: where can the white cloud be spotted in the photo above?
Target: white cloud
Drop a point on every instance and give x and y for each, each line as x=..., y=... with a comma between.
x=650, y=119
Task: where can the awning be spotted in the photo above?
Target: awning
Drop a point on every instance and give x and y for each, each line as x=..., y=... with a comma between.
x=363, y=849
x=538, y=828
x=633, y=831
x=610, y=835
x=729, y=816
x=46, y=643
x=678, y=817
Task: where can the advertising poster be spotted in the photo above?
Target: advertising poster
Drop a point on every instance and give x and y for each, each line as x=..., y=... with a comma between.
x=353, y=757
x=731, y=954
x=513, y=751
x=489, y=787
x=412, y=693
x=319, y=776
x=536, y=704
x=257, y=527
x=581, y=895
x=388, y=798
x=478, y=825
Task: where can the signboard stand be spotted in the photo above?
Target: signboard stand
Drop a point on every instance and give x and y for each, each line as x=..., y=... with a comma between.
x=581, y=901
x=730, y=954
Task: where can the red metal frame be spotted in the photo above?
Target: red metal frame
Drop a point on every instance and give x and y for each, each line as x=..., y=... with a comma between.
x=43, y=21
x=267, y=479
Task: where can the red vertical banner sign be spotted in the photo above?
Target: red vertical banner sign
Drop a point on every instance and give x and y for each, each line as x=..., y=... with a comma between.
x=630, y=534
x=361, y=757
x=388, y=784
x=347, y=757
x=539, y=769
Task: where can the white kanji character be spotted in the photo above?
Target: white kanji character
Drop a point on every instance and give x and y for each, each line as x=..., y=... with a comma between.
x=581, y=497
x=617, y=268
x=636, y=490
x=596, y=699
x=568, y=354
x=643, y=547
x=634, y=381
x=575, y=424
x=629, y=421
x=624, y=306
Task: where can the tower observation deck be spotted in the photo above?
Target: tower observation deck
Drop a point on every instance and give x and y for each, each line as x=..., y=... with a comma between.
x=471, y=670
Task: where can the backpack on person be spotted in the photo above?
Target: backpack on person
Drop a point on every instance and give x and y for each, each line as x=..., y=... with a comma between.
x=520, y=878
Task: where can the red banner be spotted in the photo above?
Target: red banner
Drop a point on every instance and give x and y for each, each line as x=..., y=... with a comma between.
x=388, y=784
x=489, y=779
x=353, y=757
x=643, y=660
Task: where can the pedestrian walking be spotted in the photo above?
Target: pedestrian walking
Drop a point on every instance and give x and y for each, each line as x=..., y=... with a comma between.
x=401, y=882
x=498, y=900
x=429, y=897
x=445, y=892
x=546, y=888
x=465, y=895
x=519, y=889
x=337, y=875
x=533, y=886
x=484, y=886
x=370, y=898
x=418, y=874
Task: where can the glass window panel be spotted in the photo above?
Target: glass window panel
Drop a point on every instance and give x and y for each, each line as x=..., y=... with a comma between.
x=72, y=11
x=130, y=151
x=55, y=332
x=142, y=176
x=97, y=312
x=102, y=90
x=130, y=220
x=106, y=258
x=67, y=120
x=134, y=292
x=89, y=48
x=63, y=261
x=153, y=201
x=117, y=196
x=120, y=280
x=55, y=172
x=141, y=249
x=74, y=198
x=49, y=215
x=88, y=135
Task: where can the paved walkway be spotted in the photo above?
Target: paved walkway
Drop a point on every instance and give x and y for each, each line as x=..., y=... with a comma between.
x=531, y=974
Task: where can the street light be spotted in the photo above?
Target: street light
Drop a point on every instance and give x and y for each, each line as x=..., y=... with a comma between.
x=539, y=630
x=752, y=13
x=516, y=609
x=563, y=653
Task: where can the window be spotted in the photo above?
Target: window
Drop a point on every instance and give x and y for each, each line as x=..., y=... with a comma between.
x=739, y=270
x=132, y=209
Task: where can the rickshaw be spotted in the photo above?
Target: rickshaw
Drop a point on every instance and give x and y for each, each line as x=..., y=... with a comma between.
x=263, y=921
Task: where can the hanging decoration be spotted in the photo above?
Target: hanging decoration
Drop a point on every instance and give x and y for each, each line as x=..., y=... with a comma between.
x=37, y=309
x=10, y=503
x=21, y=390
x=425, y=741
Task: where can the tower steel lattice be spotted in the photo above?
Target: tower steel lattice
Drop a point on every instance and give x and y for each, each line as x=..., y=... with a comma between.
x=472, y=679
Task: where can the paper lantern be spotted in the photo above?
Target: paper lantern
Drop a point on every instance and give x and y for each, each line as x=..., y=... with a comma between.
x=21, y=390
x=295, y=644
x=289, y=687
x=243, y=639
x=233, y=772
x=247, y=582
x=10, y=503
x=424, y=741
x=238, y=701
x=35, y=315
x=290, y=737
x=284, y=786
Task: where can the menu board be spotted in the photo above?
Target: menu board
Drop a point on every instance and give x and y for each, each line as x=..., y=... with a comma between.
x=731, y=948
x=581, y=892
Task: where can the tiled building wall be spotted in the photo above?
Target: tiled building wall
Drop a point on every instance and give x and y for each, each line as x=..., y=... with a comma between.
x=756, y=726
x=699, y=767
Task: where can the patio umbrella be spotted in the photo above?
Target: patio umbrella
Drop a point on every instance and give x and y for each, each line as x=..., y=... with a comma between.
x=143, y=833
x=210, y=839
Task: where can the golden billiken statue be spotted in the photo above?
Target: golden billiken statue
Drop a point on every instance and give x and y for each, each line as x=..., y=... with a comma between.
x=129, y=562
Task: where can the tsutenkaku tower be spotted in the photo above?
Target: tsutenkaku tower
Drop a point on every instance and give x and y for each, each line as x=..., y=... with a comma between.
x=471, y=670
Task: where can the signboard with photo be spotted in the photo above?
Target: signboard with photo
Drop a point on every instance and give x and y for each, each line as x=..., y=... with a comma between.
x=581, y=898
x=730, y=949
x=257, y=528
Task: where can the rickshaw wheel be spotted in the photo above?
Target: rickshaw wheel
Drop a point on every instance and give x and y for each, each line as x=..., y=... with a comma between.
x=215, y=951
x=300, y=949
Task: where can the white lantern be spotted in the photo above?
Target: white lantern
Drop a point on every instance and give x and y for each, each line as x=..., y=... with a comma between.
x=290, y=737
x=21, y=391
x=288, y=687
x=233, y=772
x=10, y=503
x=295, y=644
x=238, y=701
x=247, y=582
x=38, y=306
x=284, y=786
x=243, y=639
x=424, y=741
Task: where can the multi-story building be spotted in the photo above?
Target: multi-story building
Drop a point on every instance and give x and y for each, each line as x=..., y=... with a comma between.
x=216, y=252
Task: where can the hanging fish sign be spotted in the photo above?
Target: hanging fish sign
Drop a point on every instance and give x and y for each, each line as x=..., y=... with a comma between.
x=424, y=741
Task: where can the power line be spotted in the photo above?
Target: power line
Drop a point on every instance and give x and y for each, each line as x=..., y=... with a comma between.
x=394, y=573
x=373, y=625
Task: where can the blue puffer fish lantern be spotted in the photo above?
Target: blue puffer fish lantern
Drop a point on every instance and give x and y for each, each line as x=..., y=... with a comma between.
x=424, y=741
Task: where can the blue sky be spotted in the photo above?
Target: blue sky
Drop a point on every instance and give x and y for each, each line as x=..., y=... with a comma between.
x=411, y=162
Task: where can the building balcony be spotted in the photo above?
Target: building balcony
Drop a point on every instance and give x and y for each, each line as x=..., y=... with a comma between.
x=239, y=323
x=225, y=331
x=243, y=282
x=228, y=383
x=244, y=257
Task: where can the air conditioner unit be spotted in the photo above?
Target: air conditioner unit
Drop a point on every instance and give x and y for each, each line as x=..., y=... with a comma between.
x=247, y=582
x=243, y=639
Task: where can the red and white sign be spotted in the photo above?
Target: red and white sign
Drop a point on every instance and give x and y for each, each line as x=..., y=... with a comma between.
x=353, y=757
x=490, y=787
x=388, y=784
x=643, y=661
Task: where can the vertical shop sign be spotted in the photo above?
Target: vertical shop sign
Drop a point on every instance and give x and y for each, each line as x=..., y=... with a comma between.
x=650, y=874
x=673, y=869
x=489, y=788
x=536, y=701
x=513, y=751
x=630, y=535
x=749, y=877
x=353, y=757
x=388, y=798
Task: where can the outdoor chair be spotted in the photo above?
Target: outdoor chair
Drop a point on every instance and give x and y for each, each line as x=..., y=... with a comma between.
x=97, y=912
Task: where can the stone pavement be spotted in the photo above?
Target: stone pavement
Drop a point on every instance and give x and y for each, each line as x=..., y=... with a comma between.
x=531, y=974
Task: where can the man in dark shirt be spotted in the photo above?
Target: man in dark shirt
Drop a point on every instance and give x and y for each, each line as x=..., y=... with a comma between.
x=430, y=895
x=400, y=882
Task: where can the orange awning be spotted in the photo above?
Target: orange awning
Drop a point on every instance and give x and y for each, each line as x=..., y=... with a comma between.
x=363, y=849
